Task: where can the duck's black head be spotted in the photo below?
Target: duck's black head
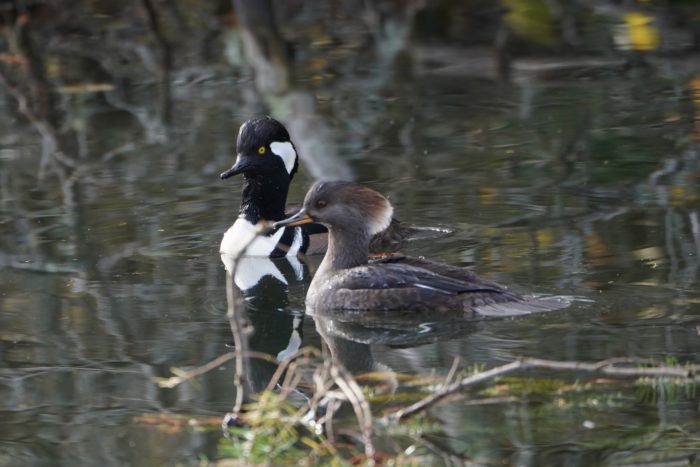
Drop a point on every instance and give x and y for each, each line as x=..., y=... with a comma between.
x=264, y=149
x=344, y=206
x=268, y=161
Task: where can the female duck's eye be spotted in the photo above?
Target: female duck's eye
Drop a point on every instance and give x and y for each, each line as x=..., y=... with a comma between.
x=261, y=150
x=320, y=204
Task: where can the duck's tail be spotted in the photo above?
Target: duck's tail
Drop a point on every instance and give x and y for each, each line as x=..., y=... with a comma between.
x=526, y=306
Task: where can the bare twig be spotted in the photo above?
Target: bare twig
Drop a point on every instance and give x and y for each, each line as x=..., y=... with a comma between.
x=238, y=337
x=284, y=364
x=605, y=367
x=452, y=372
x=333, y=406
x=343, y=379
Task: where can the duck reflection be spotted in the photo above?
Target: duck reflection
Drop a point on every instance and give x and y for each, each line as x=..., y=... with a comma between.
x=257, y=274
x=350, y=339
x=272, y=321
x=277, y=334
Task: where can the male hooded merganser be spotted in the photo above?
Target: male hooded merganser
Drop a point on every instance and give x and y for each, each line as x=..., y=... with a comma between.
x=268, y=161
x=346, y=280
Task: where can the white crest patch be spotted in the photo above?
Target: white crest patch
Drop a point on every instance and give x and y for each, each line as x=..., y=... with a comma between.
x=240, y=130
x=286, y=152
x=382, y=220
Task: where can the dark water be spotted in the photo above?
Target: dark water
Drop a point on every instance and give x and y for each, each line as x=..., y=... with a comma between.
x=584, y=186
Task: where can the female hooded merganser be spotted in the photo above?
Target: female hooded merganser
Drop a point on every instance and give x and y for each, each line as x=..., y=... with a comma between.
x=346, y=280
x=268, y=161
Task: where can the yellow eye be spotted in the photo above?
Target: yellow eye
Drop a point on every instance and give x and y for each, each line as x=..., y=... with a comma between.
x=261, y=150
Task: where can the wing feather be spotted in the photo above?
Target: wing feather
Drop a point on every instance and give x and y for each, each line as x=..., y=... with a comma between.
x=391, y=275
x=406, y=283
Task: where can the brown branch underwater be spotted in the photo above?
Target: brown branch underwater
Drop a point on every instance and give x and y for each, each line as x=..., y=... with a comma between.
x=604, y=367
x=184, y=376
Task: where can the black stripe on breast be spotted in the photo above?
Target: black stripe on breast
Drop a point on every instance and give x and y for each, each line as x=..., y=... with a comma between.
x=307, y=231
x=304, y=242
x=284, y=243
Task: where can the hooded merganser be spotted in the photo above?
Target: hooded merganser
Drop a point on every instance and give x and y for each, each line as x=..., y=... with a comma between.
x=268, y=161
x=346, y=280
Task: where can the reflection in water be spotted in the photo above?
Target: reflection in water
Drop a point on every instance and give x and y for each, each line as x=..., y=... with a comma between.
x=355, y=356
x=252, y=270
x=267, y=319
x=350, y=342
x=394, y=329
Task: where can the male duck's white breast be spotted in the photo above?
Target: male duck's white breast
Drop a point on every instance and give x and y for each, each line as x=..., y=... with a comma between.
x=240, y=233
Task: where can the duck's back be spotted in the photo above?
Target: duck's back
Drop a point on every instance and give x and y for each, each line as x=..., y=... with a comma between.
x=402, y=283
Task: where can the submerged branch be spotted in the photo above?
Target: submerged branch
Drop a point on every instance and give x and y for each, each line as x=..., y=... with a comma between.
x=605, y=367
x=184, y=376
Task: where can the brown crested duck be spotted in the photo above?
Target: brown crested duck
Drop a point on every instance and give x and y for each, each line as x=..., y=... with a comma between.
x=346, y=280
x=268, y=160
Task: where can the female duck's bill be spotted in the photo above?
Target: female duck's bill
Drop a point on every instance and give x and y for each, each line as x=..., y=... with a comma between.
x=346, y=280
x=300, y=218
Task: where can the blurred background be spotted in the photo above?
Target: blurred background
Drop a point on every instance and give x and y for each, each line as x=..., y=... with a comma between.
x=557, y=139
